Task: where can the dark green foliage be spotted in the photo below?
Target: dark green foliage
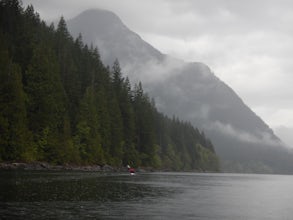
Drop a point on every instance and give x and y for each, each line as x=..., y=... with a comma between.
x=87, y=138
x=15, y=138
x=60, y=104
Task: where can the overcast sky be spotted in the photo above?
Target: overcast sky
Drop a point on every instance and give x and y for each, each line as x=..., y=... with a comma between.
x=247, y=44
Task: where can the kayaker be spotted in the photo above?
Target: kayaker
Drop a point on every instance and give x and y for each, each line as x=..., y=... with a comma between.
x=131, y=170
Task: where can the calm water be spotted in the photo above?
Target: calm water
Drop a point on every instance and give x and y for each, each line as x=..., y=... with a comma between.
x=83, y=195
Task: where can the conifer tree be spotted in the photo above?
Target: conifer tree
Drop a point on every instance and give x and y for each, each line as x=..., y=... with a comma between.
x=15, y=139
x=46, y=101
x=87, y=137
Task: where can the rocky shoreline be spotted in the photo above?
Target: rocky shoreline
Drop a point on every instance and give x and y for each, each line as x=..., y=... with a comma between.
x=38, y=166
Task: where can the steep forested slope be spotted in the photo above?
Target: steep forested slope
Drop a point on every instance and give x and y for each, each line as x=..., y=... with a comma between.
x=59, y=103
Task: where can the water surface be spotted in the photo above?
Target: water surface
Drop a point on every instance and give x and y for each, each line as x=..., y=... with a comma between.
x=90, y=195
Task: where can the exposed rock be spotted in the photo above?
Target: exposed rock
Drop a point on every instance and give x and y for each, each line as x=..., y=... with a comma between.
x=47, y=166
x=107, y=168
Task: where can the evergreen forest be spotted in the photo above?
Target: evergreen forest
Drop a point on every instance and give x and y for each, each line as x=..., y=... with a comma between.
x=60, y=104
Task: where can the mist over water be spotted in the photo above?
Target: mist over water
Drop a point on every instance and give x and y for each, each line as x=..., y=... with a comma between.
x=79, y=195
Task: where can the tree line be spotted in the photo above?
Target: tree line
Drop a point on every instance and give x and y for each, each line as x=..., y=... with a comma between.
x=60, y=104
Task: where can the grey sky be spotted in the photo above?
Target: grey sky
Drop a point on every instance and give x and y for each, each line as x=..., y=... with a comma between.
x=248, y=44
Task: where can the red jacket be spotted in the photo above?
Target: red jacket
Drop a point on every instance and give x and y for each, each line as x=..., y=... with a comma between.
x=131, y=170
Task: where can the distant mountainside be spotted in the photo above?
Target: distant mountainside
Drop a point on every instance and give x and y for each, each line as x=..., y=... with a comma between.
x=190, y=90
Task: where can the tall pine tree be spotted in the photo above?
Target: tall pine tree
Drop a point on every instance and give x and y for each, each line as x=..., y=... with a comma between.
x=15, y=139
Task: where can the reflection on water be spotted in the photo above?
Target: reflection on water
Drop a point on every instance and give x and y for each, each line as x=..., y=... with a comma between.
x=89, y=195
x=32, y=187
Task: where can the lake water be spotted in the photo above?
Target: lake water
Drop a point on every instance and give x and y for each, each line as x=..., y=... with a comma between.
x=89, y=195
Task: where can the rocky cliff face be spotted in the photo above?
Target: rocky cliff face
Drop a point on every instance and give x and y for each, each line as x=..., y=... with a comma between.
x=190, y=91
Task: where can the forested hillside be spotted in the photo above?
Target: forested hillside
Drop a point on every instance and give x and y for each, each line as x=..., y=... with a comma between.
x=60, y=104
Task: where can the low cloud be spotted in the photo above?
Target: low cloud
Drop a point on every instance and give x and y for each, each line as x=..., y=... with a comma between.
x=227, y=129
x=153, y=71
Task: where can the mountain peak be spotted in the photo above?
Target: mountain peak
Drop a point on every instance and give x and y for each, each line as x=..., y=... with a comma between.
x=105, y=30
x=100, y=15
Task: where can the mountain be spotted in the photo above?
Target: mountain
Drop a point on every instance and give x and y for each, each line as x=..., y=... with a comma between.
x=59, y=104
x=191, y=91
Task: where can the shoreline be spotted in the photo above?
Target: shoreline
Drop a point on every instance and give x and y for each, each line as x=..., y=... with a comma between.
x=39, y=166
x=45, y=166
